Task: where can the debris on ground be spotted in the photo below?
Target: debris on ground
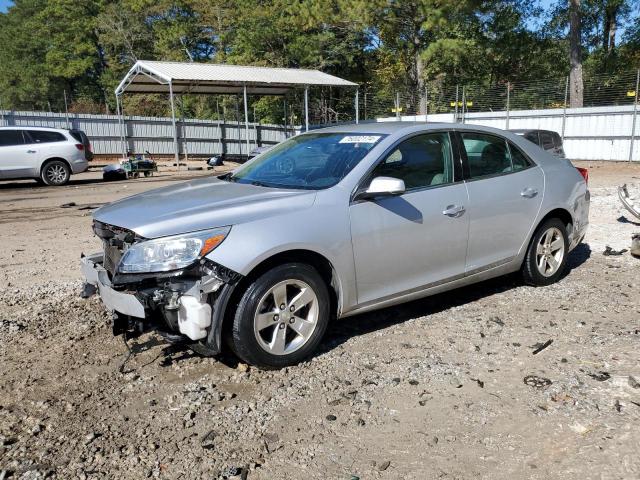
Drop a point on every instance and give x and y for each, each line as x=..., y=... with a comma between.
x=610, y=252
x=536, y=381
x=68, y=205
x=630, y=202
x=635, y=245
x=600, y=376
x=538, y=347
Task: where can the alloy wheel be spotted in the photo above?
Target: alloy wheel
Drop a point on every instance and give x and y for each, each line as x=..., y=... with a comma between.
x=56, y=174
x=286, y=317
x=550, y=252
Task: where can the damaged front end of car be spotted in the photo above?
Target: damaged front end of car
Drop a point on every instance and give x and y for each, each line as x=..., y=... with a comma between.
x=166, y=284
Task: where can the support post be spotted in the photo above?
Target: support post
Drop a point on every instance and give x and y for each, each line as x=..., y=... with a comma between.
x=220, y=128
x=508, y=103
x=357, y=106
x=246, y=119
x=564, y=109
x=635, y=114
x=455, y=110
x=398, y=105
x=306, y=109
x=121, y=124
x=175, y=129
x=286, y=120
x=464, y=101
x=66, y=108
x=426, y=102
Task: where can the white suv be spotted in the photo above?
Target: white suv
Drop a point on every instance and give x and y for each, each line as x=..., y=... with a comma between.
x=50, y=155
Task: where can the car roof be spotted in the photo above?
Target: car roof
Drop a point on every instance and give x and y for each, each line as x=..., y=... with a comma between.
x=29, y=127
x=390, y=128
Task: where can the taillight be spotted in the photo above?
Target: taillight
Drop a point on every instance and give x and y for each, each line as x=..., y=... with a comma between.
x=80, y=146
x=584, y=172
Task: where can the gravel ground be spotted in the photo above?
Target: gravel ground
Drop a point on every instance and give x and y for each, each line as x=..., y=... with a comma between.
x=446, y=387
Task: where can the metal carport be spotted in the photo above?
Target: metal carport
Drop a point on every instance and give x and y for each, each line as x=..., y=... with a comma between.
x=177, y=78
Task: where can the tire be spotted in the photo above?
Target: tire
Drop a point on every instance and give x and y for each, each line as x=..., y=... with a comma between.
x=266, y=335
x=546, y=257
x=55, y=173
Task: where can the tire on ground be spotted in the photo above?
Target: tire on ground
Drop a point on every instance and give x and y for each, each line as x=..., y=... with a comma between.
x=530, y=270
x=55, y=173
x=242, y=338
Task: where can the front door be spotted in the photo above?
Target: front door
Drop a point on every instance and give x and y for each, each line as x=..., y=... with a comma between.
x=505, y=193
x=417, y=239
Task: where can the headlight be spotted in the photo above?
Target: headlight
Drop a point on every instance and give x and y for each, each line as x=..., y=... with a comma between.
x=171, y=253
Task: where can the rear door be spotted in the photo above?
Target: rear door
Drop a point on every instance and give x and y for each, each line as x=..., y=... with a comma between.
x=14, y=158
x=45, y=144
x=418, y=239
x=505, y=193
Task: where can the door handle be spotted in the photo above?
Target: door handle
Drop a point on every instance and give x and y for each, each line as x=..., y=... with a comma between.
x=453, y=211
x=31, y=151
x=529, y=192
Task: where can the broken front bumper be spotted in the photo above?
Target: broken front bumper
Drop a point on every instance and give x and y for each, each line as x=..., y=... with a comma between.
x=182, y=306
x=96, y=275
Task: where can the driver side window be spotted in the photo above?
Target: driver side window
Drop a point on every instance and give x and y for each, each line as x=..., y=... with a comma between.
x=420, y=161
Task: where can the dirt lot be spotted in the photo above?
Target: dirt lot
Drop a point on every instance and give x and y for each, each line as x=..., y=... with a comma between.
x=431, y=389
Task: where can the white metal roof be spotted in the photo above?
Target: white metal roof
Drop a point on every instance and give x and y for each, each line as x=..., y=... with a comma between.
x=154, y=77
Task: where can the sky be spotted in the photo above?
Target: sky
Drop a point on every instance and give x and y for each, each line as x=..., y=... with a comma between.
x=4, y=4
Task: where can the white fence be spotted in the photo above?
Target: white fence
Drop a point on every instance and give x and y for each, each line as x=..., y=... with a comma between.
x=155, y=134
x=595, y=133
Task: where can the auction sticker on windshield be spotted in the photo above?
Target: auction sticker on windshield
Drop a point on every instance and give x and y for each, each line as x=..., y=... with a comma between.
x=360, y=139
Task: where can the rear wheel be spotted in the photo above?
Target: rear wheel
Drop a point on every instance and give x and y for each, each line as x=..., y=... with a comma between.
x=546, y=257
x=282, y=317
x=55, y=173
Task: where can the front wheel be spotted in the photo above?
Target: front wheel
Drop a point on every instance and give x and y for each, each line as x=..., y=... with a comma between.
x=546, y=257
x=282, y=317
x=55, y=173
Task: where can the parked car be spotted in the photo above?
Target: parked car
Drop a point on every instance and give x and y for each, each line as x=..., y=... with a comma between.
x=332, y=223
x=49, y=155
x=258, y=150
x=545, y=139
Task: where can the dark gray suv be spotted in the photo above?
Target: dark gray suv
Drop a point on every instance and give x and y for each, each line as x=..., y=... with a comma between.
x=545, y=139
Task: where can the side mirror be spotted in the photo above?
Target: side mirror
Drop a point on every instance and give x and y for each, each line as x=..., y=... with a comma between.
x=382, y=187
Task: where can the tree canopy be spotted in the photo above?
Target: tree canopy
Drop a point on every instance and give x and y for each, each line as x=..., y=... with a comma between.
x=82, y=48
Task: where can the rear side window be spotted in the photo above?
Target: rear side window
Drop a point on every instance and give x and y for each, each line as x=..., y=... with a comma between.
x=486, y=154
x=80, y=136
x=43, y=136
x=420, y=161
x=546, y=140
x=9, y=138
x=519, y=160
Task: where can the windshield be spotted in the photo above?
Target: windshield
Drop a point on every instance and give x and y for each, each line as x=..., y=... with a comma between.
x=311, y=161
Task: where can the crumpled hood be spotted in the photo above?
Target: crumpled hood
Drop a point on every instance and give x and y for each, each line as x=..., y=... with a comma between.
x=198, y=205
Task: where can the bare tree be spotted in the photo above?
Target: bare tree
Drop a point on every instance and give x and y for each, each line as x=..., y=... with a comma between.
x=576, y=88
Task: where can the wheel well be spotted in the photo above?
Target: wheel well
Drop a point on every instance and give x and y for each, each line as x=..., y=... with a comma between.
x=308, y=257
x=560, y=213
x=49, y=160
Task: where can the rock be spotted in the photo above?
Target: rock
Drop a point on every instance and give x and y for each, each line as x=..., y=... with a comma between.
x=331, y=418
x=384, y=465
x=242, y=367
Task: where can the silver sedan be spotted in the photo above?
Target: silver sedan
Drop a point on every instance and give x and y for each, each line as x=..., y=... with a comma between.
x=329, y=224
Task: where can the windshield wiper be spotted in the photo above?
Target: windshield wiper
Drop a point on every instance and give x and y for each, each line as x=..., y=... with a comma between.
x=228, y=177
x=257, y=183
